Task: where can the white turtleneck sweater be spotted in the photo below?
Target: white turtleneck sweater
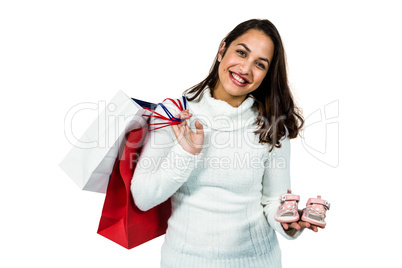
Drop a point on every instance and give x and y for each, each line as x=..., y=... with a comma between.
x=223, y=199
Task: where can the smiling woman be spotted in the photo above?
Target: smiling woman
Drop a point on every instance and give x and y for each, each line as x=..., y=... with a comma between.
x=259, y=48
x=244, y=66
x=222, y=211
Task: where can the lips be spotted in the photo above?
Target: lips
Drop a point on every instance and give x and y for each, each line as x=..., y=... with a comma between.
x=238, y=79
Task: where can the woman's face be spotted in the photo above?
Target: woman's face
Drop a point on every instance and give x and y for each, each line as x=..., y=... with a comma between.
x=243, y=67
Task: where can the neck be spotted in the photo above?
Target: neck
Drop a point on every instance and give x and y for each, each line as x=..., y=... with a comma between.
x=220, y=114
x=220, y=94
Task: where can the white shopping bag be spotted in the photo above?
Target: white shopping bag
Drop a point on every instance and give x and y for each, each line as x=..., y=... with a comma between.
x=90, y=168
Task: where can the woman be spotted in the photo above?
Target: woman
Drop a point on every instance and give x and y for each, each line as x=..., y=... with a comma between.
x=225, y=166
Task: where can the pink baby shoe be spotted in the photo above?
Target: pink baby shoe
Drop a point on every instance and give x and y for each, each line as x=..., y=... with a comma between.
x=315, y=211
x=287, y=211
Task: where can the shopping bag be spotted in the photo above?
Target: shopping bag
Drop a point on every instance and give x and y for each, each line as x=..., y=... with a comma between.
x=121, y=220
x=90, y=167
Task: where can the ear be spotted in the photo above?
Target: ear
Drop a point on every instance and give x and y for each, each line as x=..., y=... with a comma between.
x=221, y=51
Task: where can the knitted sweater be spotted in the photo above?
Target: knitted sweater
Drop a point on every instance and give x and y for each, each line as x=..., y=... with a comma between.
x=223, y=199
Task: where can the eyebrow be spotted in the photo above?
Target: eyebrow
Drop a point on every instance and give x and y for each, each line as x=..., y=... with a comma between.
x=249, y=50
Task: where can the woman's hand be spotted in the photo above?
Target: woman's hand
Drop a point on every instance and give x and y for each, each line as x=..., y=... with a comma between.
x=190, y=141
x=300, y=225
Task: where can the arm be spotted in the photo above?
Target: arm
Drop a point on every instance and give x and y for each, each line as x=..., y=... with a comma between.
x=162, y=167
x=276, y=181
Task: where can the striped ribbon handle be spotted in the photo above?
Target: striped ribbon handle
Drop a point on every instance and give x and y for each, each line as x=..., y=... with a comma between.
x=170, y=120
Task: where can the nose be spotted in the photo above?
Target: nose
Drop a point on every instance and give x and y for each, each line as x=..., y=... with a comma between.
x=245, y=67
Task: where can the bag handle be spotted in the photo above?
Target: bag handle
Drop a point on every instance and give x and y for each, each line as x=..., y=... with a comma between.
x=170, y=120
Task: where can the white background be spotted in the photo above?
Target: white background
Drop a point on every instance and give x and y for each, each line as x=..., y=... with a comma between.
x=55, y=54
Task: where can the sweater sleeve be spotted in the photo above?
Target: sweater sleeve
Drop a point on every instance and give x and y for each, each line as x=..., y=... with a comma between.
x=163, y=165
x=276, y=181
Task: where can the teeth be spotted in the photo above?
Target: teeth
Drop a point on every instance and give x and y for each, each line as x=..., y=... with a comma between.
x=238, y=78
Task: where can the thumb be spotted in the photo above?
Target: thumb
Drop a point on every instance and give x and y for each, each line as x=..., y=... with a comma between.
x=199, y=127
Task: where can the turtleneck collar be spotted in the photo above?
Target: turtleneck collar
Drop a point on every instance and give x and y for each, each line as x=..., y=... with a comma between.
x=220, y=115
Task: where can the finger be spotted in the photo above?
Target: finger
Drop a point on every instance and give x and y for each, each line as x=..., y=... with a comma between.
x=186, y=114
x=177, y=131
x=285, y=226
x=304, y=224
x=295, y=225
x=179, y=127
x=308, y=225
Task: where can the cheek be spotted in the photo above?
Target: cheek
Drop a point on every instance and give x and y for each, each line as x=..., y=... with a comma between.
x=227, y=61
x=223, y=68
x=260, y=76
x=221, y=71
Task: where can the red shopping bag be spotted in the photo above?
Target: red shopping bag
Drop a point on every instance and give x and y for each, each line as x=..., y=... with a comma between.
x=122, y=221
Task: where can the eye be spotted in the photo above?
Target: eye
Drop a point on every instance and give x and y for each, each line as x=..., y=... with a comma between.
x=260, y=65
x=241, y=52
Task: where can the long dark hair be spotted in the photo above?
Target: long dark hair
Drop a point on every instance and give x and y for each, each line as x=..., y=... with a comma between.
x=273, y=98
